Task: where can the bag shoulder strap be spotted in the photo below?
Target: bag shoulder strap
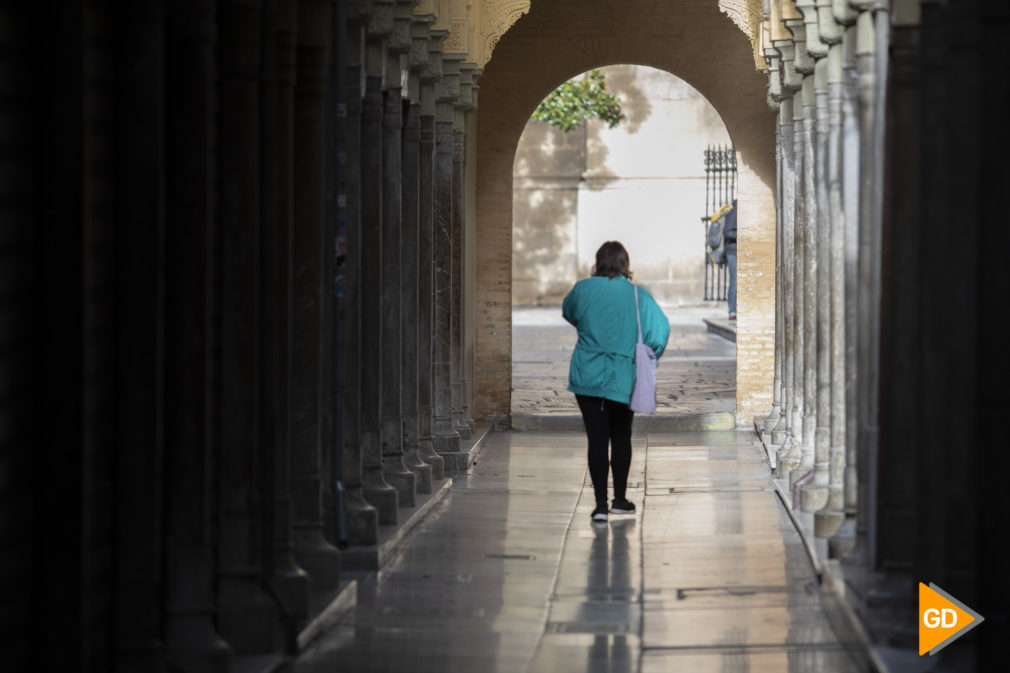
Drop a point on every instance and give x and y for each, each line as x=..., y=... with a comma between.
x=638, y=316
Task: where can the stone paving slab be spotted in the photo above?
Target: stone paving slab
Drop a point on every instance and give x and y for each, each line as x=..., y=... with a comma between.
x=508, y=574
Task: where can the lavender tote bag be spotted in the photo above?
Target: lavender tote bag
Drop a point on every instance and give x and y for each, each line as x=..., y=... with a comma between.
x=643, y=397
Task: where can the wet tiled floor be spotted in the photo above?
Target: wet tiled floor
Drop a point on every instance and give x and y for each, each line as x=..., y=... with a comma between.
x=509, y=574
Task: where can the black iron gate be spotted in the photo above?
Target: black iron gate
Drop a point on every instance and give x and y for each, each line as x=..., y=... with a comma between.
x=720, y=189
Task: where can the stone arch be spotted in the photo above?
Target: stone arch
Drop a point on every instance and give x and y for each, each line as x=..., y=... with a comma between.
x=562, y=38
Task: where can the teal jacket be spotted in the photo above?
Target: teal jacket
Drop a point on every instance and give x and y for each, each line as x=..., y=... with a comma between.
x=603, y=311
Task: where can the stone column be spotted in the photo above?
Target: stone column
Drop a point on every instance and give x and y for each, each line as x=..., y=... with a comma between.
x=245, y=614
x=779, y=432
x=792, y=81
x=809, y=294
x=362, y=518
x=445, y=437
x=775, y=415
x=190, y=343
x=430, y=73
x=798, y=65
x=789, y=458
x=313, y=552
x=288, y=582
x=829, y=518
x=378, y=492
x=390, y=421
x=460, y=423
x=138, y=467
x=409, y=251
x=464, y=105
x=815, y=493
x=841, y=543
x=867, y=350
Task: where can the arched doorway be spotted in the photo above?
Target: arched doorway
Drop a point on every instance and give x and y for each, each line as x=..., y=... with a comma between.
x=644, y=183
x=559, y=40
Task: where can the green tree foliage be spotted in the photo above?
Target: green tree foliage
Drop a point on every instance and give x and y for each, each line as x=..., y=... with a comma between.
x=579, y=99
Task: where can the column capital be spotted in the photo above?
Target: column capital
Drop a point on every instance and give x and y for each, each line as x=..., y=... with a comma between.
x=432, y=72
x=815, y=46
x=380, y=21
x=420, y=27
x=830, y=29
x=804, y=63
x=792, y=79
x=400, y=39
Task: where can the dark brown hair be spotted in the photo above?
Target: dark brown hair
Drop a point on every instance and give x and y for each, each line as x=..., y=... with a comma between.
x=612, y=261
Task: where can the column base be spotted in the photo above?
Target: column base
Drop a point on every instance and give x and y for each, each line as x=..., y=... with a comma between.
x=772, y=419
x=400, y=478
x=459, y=425
x=813, y=497
x=247, y=617
x=316, y=556
x=290, y=584
x=843, y=543
x=193, y=645
x=827, y=522
x=362, y=519
x=422, y=470
x=444, y=438
x=435, y=461
x=380, y=495
x=787, y=458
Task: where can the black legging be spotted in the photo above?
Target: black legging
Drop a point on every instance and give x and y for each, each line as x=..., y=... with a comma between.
x=607, y=422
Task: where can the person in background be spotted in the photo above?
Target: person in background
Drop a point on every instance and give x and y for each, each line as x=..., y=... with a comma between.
x=602, y=369
x=729, y=234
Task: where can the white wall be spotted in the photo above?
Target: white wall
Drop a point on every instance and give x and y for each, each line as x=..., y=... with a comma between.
x=642, y=183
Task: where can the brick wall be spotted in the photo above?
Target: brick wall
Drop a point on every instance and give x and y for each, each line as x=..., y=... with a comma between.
x=557, y=40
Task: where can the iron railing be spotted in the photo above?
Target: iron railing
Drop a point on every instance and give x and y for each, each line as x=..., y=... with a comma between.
x=720, y=188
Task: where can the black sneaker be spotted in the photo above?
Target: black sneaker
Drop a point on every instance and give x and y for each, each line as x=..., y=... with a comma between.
x=622, y=506
x=600, y=514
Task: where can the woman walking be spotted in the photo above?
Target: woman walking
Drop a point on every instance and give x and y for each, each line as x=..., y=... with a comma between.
x=602, y=370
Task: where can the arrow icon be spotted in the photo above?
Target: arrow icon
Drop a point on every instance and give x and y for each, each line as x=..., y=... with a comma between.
x=942, y=619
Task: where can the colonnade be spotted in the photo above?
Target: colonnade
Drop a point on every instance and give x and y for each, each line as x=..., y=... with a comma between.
x=883, y=352
x=246, y=309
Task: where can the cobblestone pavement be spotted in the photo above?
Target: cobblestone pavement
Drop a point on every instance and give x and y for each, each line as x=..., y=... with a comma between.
x=696, y=375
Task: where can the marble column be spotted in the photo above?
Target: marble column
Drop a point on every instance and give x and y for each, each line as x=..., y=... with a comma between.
x=390, y=420
x=780, y=431
x=828, y=519
x=430, y=73
x=409, y=251
x=792, y=81
x=445, y=437
x=287, y=581
x=842, y=541
x=312, y=550
x=245, y=613
x=464, y=105
x=789, y=458
x=808, y=224
x=815, y=493
x=456, y=262
x=871, y=84
x=362, y=518
x=190, y=342
x=378, y=492
x=775, y=98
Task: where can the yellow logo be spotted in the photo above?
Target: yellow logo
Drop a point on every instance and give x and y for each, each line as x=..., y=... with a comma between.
x=942, y=619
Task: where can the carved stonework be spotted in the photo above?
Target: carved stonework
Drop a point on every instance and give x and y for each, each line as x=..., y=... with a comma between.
x=496, y=17
x=747, y=15
x=457, y=36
